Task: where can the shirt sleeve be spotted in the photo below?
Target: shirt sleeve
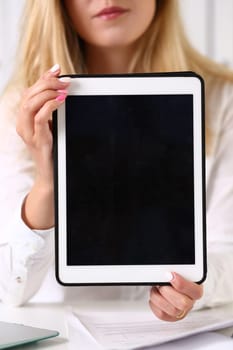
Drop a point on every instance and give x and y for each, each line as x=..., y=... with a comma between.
x=218, y=287
x=25, y=255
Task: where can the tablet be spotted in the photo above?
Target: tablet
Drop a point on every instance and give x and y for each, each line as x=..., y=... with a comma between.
x=130, y=180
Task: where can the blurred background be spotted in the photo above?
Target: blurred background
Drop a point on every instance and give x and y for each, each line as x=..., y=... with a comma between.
x=209, y=25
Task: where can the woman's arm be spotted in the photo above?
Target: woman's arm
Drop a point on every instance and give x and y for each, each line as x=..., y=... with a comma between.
x=34, y=127
x=26, y=200
x=25, y=255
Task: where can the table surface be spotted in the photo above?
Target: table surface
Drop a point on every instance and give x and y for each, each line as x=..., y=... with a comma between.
x=51, y=316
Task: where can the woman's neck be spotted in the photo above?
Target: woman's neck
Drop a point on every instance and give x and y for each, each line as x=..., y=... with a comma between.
x=107, y=60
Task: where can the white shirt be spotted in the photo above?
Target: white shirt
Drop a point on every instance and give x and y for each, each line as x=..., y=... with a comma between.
x=27, y=256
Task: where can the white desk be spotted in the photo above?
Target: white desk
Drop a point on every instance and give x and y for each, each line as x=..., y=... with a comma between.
x=51, y=316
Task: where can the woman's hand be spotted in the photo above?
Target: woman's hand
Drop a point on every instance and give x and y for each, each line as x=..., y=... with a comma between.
x=34, y=119
x=34, y=126
x=172, y=303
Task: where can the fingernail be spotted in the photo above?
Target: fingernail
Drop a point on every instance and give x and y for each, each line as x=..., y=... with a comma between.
x=55, y=68
x=65, y=79
x=62, y=92
x=61, y=98
x=169, y=276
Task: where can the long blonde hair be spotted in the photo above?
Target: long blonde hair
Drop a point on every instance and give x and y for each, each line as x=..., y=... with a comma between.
x=48, y=38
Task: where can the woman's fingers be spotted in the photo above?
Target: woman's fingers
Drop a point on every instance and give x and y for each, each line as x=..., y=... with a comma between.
x=28, y=110
x=51, y=83
x=38, y=109
x=161, y=314
x=48, y=91
x=169, y=296
x=172, y=303
x=34, y=103
x=191, y=289
x=162, y=304
x=48, y=81
x=41, y=125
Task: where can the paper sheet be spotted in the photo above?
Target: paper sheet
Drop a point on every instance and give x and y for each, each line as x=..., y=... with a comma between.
x=137, y=329
x=204, y=341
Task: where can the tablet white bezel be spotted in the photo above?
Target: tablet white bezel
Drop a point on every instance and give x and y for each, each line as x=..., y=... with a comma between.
x=131, y=274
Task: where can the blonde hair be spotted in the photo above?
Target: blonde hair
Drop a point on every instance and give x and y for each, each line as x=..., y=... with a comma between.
x=48, y=38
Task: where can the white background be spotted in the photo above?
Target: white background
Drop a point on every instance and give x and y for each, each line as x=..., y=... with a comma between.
x=209, y=25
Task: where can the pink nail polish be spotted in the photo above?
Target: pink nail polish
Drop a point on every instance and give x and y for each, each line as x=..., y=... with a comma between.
x=60, y=98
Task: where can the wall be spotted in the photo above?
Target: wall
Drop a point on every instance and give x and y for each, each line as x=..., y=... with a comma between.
x=10, y=11
x=209, y=25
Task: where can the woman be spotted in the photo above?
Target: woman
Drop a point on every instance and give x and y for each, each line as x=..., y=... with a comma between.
x=98, y=36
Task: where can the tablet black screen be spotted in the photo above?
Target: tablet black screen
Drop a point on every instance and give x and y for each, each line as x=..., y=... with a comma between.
x=130, y=195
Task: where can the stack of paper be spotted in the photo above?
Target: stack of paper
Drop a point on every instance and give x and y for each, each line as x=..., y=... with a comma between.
x=128, y=329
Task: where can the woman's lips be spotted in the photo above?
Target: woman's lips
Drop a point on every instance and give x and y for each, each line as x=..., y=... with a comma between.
x=111, y=13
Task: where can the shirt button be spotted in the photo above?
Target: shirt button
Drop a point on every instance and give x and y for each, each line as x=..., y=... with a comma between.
x=19, y=279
